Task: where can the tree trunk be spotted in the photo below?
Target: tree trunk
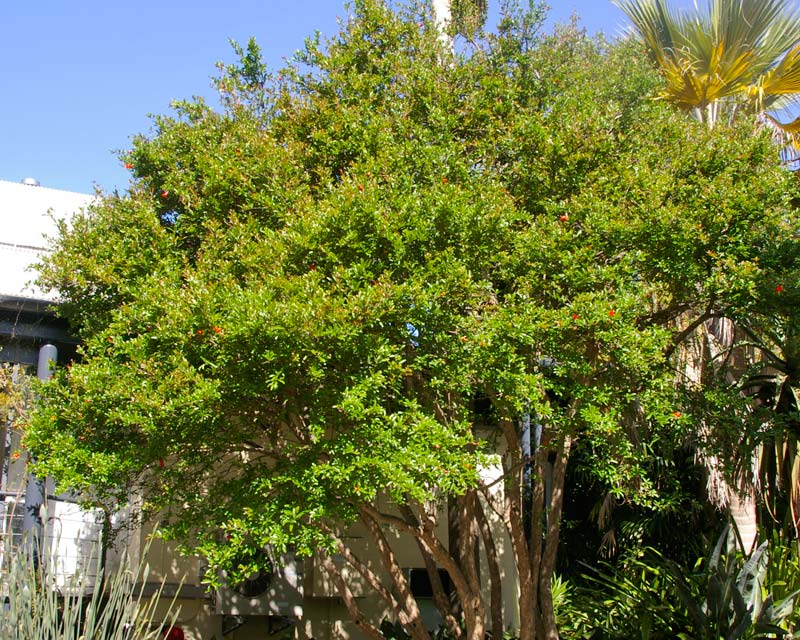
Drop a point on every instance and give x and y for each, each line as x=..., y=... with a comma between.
x=349, y=600
x=440, y=598
x=536, y=537
x=474, y=609
x=743, y=514
x=548, y=563
x=408, y=610
x=495, y=579
x=470, y=598
x=515, y=523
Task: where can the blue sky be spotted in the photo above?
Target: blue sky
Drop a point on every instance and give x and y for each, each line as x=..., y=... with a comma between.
x=80, y=78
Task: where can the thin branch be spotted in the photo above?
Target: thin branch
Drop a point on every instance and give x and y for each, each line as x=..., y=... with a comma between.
x=349, y=600
x=363, y=570
x=408, y=612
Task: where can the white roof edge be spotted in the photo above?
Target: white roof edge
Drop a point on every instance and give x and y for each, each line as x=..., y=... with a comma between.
x=28, y=216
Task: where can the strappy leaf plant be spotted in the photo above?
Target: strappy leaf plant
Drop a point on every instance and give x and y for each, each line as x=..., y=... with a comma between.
x=736, y=55
x=40, y=603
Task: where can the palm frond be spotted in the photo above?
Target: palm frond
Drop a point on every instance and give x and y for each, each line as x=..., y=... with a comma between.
x=657, y=26
x=745, y=51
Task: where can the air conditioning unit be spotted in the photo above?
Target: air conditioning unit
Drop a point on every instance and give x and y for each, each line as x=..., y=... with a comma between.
x=70, y=544
x=266, y=593
x=72, y=540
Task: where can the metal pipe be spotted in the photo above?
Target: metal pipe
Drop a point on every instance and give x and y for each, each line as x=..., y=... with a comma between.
x=32, y=526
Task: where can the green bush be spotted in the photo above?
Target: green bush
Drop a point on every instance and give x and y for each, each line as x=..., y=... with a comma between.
x=724, y=595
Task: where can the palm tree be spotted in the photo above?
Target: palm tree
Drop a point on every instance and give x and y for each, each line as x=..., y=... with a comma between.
x=775, y=383
x=738, y=57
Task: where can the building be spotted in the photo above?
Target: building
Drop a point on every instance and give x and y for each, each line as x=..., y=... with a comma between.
x=28, y=215
x=30, y=337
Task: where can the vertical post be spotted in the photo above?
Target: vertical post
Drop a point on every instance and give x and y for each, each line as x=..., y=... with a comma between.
x=32, y=526
x=528, y=448
x=5, y=428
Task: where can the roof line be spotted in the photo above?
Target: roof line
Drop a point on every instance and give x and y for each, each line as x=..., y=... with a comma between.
x=21, y=246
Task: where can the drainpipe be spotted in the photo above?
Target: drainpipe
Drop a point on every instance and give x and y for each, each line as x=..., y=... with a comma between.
x=32, y=527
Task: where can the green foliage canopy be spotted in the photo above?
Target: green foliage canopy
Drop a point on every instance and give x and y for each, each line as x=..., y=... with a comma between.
x=295, y=306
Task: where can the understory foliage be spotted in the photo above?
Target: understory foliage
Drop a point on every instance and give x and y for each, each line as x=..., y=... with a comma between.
x=725, y=594
x=14, y=393
x=389, y=287
x=42, y=603
x=15, y=387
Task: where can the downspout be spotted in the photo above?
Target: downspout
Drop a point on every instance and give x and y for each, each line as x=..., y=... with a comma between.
x=32, y=526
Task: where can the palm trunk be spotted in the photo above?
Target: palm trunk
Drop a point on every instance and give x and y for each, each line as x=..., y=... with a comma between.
x=442, y=13
x=743, y=514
